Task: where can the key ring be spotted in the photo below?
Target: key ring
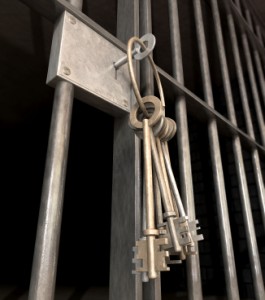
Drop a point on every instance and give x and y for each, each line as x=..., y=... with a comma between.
x=133, y=79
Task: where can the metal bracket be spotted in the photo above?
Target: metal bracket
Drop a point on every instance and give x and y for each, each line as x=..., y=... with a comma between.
x=84, y=58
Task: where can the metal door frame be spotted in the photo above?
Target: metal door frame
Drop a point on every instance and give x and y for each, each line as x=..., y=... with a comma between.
x=240, y=15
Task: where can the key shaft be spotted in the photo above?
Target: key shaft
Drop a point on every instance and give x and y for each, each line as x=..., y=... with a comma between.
x=149, y=198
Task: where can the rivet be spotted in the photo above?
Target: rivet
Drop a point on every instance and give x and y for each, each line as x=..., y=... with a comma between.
x=66, y=71
x=72, y=20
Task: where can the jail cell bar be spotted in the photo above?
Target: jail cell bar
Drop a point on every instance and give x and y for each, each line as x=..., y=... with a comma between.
x=152, y=288
x=225, y=231
x=193, y=264
x=44, y=269
x=244, y=194
x=122, y=284
x=250, y=230
x=258, y=63
x=126, y=215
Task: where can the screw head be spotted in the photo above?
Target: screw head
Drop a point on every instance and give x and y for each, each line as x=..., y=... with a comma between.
x=66, y=71
x=72, y=20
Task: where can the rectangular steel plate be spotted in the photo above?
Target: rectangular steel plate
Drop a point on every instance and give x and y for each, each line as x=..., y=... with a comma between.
x=84, y=58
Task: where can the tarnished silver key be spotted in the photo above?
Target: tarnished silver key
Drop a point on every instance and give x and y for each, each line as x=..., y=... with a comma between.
x=169, y=214
x=150, y=231
x=176, y=234
x=160, y=256
x=186, y=230
x=148, y=250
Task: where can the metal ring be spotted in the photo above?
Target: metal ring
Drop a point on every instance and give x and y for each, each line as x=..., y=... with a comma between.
x=148, y=102
x=173, y=129
x=133, y=79
x=151, y=41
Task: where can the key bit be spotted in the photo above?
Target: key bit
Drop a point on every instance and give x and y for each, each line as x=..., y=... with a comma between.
x=164, y=232
x=183, y=231
x=193, y=229
x=187, y=231
x=171, y=261
x=141, y=254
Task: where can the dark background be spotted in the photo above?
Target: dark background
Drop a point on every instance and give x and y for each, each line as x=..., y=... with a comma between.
x=25, y=112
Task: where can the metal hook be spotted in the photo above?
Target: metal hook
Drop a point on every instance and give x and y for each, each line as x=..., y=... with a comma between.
x=136, y=40
x=137, y=54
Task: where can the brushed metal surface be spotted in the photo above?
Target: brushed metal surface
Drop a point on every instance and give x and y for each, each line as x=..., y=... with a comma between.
x=45, y=259
x=187, y=193
x=126, y=185
x=217, y=167
x=246, y=207
x=89, y=67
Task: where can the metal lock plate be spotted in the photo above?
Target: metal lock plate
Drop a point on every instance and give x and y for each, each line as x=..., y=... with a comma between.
x=84, y=58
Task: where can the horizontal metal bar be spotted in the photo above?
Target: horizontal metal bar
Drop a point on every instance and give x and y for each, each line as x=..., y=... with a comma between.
x=217, y=168
x=253, y=85
x=193, y=263
x=62, y=5
x=202, y=111
x=240, y=169
x=100, y=86
x=196, y=106
x=51, y=9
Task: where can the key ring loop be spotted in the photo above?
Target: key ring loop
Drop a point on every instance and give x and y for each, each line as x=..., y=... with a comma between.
x=133, y=79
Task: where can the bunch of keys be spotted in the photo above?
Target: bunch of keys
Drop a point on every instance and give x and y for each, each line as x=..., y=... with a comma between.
x=168, y=230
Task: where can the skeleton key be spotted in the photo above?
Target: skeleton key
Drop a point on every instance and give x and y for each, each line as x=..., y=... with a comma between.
x=169, y=214
x=148, y=250
x=186, y=229
x=150, y=231
x=181, y=224
x=148, y=121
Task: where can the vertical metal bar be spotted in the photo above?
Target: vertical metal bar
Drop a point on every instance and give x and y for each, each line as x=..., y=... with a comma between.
x=254, y=89
x=43, y=275
x=44, y=269
x=255, y=157
x=126, y=186
x=259, y=65
x=252, y=23
x=225, y=231
x=151, y=289
x=249, y=124
x=249, y=19
x=260, y=74
x=246, y=208
x=237, y=2
x=193, y=264
x=259, y=35
x=259, y=182
x=147, y=82
x=240, y=76
x=257, y=59
x=241, y=174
